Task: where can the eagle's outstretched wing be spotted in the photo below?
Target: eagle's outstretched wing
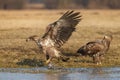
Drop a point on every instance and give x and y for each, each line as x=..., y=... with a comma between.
x=62, y=29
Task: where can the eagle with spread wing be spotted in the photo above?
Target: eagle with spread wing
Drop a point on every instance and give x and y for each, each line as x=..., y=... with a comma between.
x=96, y=49
x=56, y=35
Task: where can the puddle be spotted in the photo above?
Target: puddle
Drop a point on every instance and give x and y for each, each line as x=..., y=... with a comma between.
x=60, y=74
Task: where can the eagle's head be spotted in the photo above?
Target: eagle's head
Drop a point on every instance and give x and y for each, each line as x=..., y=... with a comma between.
x=108, y=38
x=36, y=39
x=106, y=41
x=32, y=38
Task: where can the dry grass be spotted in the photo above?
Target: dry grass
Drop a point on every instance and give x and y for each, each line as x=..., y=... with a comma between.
x=16, y=26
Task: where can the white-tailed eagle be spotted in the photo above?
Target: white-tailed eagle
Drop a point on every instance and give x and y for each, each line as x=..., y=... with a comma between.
x=56, y=34
x=96, y=49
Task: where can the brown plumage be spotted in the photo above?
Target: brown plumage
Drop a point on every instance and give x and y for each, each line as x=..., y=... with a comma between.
x=34, y=38
x=57, y=34
x=62, y=29
x=96, y=49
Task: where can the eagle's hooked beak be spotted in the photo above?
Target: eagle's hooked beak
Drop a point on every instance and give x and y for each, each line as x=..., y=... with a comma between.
x=32, y=38
x=109, y=37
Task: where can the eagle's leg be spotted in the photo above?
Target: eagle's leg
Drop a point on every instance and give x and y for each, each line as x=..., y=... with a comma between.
x=50, y=65
x=48, y=61
x=101, y=58
x=47, y=57
x=96, y=58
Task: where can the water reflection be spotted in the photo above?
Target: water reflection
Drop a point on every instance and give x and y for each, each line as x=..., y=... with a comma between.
x=69, y=74
x=99, y=74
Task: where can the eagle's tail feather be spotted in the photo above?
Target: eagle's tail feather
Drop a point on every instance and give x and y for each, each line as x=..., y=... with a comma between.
x=65, y=59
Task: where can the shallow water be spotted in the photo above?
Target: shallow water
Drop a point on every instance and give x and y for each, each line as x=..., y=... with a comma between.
x=60, y=74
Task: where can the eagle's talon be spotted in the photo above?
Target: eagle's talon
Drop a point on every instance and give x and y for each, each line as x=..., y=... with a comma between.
x=50, y=66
